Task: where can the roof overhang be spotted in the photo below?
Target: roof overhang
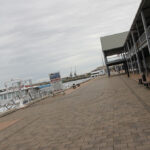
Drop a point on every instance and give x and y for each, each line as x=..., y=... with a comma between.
x=113, y=44
x=114, y=51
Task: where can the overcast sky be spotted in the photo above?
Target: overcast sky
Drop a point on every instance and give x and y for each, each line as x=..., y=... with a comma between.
x=38, y=37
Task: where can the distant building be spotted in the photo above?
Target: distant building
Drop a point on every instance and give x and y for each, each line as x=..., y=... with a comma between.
x=97, y=73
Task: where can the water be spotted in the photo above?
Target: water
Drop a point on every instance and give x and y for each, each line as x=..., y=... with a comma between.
x=68, y=85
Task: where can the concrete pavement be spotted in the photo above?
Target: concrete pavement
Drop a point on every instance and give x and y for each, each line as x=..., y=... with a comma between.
x=106, y=114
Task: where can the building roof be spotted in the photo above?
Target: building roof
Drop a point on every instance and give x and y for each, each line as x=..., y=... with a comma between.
x=113, y=41
x=145, y=6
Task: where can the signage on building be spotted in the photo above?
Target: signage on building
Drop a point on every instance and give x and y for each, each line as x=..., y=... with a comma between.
x=54, y=77
x=56, y=82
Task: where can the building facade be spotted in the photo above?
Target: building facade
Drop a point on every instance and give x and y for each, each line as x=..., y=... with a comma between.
x=134, y=45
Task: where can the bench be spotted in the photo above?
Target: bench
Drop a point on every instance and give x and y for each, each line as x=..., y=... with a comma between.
x=146, y=83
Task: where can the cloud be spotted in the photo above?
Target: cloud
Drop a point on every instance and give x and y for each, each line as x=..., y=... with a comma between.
x=38, y=37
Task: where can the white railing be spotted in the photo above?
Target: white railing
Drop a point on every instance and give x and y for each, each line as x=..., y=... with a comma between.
x=130, y=53
x=142, y=38
x=16, y=102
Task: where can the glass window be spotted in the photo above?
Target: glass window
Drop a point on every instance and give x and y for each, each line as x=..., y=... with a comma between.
x=5, y=96
x=9, y=95
x=1, y=97
x=13, y=94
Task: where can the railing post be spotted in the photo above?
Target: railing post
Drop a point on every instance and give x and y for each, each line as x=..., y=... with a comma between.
x=125, y=56
x=137, y=56
x=145, y=29
x=126, y=63
x=144, y=61
x=130, y=57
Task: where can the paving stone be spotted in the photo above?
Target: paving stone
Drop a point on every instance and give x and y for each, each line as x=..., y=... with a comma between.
x=106, y=114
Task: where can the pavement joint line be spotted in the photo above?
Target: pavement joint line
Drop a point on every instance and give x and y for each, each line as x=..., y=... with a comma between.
x=88, y=126
x=147, y=107
x=29, y=123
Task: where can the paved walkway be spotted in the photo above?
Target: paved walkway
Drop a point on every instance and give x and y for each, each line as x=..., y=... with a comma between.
x=108, y=114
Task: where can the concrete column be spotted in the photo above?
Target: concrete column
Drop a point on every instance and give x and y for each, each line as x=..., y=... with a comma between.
x=108, y=71
x=129, y=62
x=126, y=59
x=107, y=67
x=135, y=64
x=127, y=69
x=145, y=29
x=144, y=61
x=137, y=56
x=130, y=57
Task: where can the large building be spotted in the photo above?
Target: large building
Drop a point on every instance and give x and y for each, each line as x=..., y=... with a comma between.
x=113, y=45
x=133, y=46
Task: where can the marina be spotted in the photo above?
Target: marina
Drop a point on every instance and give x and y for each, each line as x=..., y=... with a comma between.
x=16, y=97
x=92, y=107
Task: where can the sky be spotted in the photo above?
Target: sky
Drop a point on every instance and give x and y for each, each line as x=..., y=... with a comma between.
x=38, y=37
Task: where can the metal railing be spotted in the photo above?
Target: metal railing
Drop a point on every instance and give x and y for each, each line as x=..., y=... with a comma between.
x=142, y=38
x=18, y=102
x=139, y=43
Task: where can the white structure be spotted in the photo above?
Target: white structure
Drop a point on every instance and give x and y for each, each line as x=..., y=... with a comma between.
x=56, y=82
x=97, y=73
x=17, y=93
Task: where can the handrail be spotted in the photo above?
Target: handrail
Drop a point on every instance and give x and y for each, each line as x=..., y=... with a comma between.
x=142, y=38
